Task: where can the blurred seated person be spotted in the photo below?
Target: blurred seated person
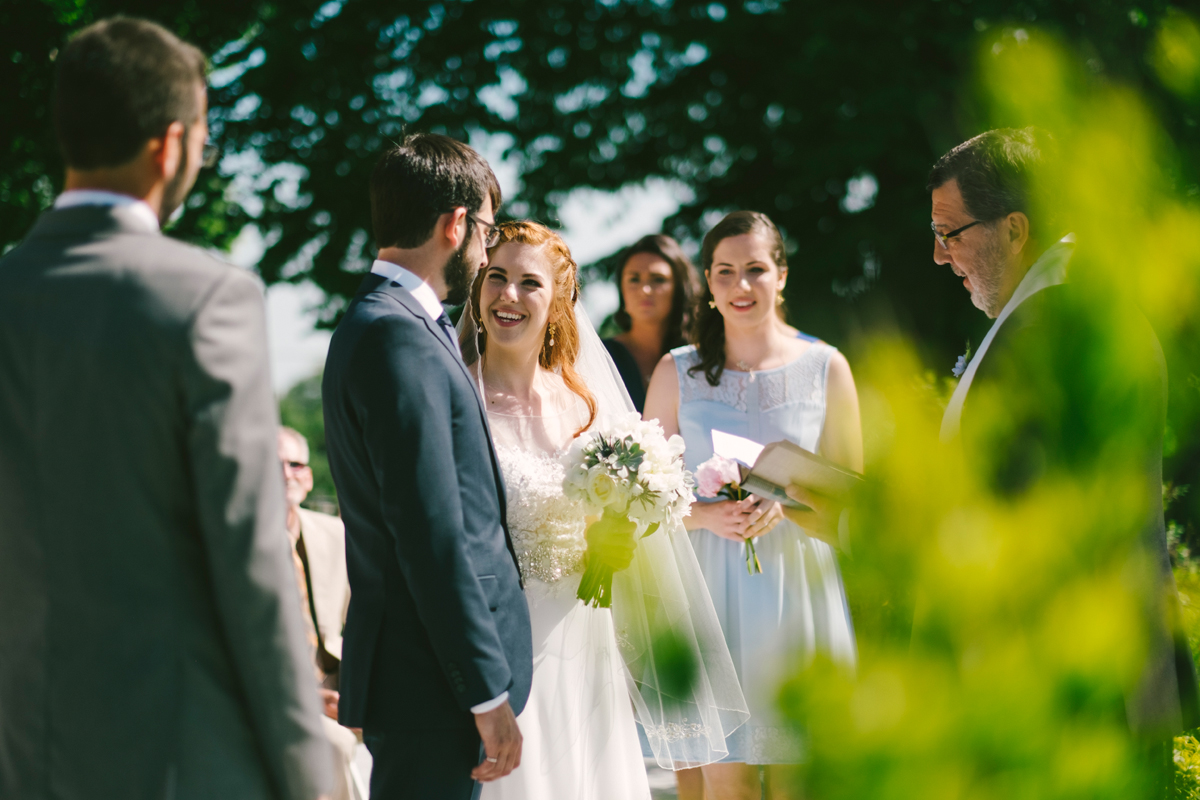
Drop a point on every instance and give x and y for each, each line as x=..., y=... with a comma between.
x=657, y=285
x=319, y=552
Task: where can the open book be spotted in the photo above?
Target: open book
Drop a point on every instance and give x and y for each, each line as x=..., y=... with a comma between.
x=767, y=470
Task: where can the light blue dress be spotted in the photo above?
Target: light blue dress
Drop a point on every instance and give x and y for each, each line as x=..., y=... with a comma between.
x=797, y=606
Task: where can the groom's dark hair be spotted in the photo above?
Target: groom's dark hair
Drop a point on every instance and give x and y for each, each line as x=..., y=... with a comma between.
x=996, y=171
x=120, y=83
x=423, y=177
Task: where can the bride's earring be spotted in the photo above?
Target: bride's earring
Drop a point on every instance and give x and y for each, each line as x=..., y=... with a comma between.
x=552, y=329
x=779, y=299
x=712, y=303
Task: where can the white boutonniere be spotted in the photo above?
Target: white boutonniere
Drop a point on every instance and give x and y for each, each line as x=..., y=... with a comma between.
x=960, y=366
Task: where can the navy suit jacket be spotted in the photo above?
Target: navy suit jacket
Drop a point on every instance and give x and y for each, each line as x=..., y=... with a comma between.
x=438, y=621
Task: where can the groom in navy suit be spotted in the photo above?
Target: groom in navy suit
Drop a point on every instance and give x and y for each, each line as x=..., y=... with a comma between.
x=437, y=650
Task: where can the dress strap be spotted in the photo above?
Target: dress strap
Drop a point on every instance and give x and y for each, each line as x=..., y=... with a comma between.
x=685, y=358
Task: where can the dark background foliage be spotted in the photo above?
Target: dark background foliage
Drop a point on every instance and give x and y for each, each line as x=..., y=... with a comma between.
x=774, y=105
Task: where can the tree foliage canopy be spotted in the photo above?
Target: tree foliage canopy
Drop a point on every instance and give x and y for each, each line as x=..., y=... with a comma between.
x=826, y=116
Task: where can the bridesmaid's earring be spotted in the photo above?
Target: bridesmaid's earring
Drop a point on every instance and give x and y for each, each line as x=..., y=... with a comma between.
x=712, y=303
x=552, y=329
x=779, y=299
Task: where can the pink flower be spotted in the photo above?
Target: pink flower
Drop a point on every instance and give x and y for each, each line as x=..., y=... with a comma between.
x=713, y=475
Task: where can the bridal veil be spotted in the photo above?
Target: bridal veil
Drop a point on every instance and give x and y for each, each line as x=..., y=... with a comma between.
x=681, y=678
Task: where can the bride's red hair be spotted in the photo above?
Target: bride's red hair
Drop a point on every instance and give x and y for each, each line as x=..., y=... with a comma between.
x=561, y=357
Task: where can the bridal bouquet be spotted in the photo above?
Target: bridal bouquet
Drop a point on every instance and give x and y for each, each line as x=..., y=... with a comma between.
x=720, y=477
x=627, y=470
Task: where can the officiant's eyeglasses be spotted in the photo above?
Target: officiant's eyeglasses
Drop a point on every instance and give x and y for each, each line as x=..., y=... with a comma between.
x=493, y=233
x=295, y=466
x=944, y=238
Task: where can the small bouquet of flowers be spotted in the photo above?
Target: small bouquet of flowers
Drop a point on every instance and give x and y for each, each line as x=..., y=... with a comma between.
x=720, y=477
x=628, y=470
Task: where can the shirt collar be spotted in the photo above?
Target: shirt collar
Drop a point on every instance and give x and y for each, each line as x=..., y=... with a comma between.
x=1049, y=270
x=418, y=288
x=100, y=197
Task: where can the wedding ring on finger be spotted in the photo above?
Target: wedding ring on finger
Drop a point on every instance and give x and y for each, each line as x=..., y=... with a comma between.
x=491, y=760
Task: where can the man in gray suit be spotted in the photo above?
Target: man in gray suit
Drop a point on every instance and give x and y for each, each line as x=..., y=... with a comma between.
x=152, y=643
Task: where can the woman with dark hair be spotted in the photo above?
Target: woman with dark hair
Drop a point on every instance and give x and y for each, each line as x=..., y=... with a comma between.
x=749, y=375
x=657, y=283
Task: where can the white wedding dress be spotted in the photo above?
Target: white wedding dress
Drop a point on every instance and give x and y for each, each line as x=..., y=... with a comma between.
x=599, y=683
x=580, y=737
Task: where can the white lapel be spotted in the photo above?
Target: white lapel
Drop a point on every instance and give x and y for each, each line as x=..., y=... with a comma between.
x=1049, y=270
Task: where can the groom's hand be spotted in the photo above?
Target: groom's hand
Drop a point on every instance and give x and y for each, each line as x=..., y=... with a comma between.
x=501, y=743
x=610, y=541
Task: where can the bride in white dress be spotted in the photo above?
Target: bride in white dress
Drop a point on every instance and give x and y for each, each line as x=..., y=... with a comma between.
x=545, y=378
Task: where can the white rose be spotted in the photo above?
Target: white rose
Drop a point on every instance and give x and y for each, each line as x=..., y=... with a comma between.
x=575, y=482
x=602, y=488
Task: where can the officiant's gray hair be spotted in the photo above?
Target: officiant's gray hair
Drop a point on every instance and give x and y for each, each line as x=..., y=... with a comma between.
x=996, y=171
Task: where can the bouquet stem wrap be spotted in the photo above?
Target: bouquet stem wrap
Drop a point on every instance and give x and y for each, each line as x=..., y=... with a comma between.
x=595, y=587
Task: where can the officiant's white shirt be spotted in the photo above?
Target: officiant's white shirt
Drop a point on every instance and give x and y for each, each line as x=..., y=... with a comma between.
x=428, y=299
x=100, y=197
x=1049, y=270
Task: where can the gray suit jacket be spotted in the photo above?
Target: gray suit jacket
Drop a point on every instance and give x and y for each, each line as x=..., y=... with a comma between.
x=151, y=643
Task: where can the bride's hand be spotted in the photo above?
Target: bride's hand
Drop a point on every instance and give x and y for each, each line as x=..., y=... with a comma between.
x=610, y=541
x=725, y=518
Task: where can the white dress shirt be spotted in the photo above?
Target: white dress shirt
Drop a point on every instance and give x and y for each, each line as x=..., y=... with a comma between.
x=99, y=197
x=428, y=300
x=418, y=288
x=1049, y=270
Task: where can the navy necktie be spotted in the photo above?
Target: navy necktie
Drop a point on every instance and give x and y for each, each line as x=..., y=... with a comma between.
x=448, y=329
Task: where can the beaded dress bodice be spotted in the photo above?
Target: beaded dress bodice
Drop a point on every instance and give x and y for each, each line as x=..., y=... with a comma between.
x=546, y=528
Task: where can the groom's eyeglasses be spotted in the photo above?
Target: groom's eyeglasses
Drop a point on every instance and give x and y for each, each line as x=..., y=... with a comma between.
x=493, y=233
x=944, y=238
x=210, y=155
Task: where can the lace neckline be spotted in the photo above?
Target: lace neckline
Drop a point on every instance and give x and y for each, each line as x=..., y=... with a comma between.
x=811, y=347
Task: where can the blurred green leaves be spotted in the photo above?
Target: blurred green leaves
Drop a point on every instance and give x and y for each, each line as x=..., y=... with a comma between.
x=675, y=663
x=1005, y=617
x=1176, y=54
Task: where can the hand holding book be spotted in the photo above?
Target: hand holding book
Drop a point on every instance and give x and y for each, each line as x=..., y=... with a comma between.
x=813, y=491
x=819, y=515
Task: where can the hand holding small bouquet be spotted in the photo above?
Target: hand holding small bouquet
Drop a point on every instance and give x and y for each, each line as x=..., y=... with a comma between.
x=720, y=477
x=629, y=471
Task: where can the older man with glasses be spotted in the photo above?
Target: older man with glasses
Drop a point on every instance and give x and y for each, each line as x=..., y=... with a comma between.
x=318, y=544
x=1045, y=395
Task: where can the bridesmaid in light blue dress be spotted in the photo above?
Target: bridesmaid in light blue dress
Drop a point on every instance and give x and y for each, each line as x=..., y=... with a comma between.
x=750, y=375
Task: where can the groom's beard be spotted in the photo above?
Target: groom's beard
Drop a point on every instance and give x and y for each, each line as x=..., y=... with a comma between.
x=459, y=274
